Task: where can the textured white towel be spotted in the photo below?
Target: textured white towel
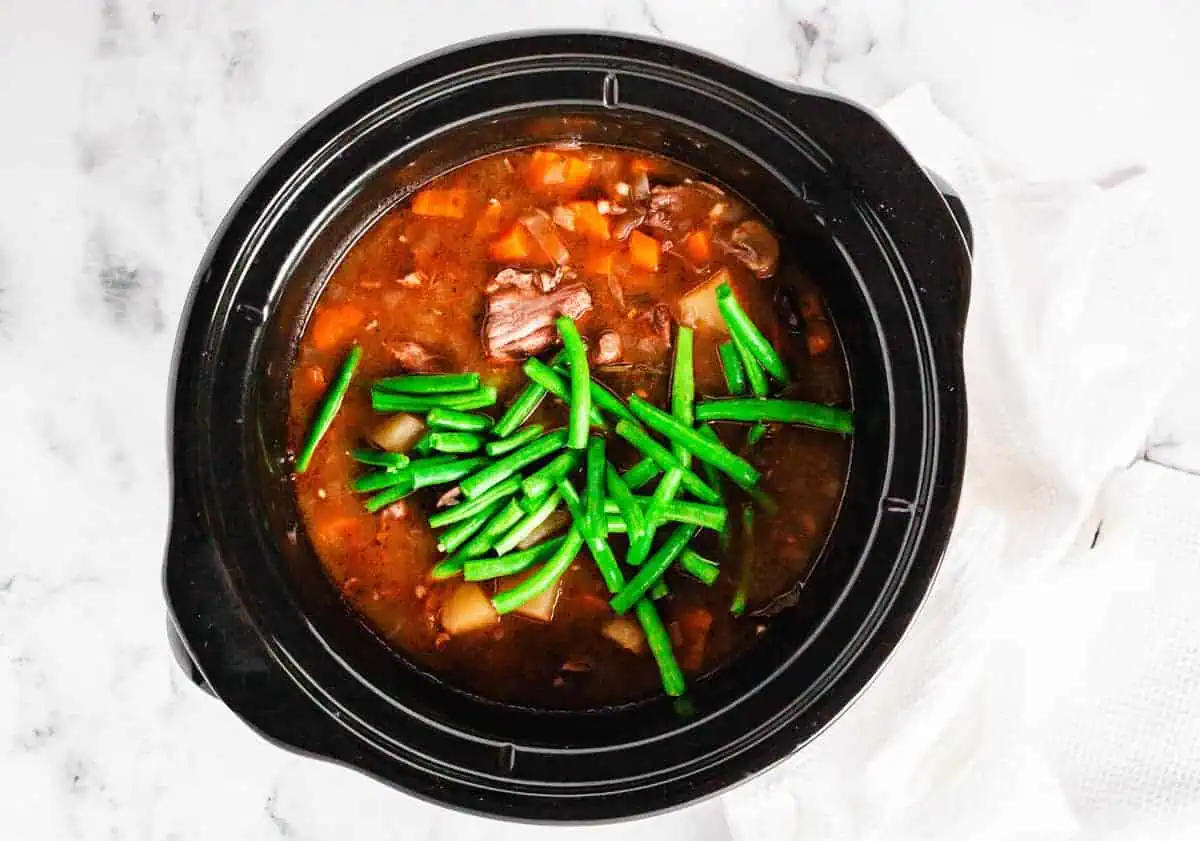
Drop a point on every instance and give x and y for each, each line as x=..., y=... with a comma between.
x=1047, y=690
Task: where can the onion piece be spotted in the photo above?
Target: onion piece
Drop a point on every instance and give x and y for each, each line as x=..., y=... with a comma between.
x=468, y=609
x=564, y=217
x=542, y=230
x=398, y=433
x=698, y=306
x=625, y=633
x=552, y=525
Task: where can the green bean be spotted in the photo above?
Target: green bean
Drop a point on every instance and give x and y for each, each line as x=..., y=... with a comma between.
x=543, y=578
x=738, y=606
x=607, y=401
x=553, y=382
x=485, y=569
x=451, y=539
x=328, y=408
x=777, y=411
x=659, y=642
x=699, y=567
x=540, y=483
x=755, y=434
x=519, y=410
x=659, y=590
x=498, y=471
x=581, y=389
x=387, y=401
x=653, y=569
x=455, y=442
x=438, y=471
x=746, y=332
x=386, y=498
x=515, y=441
x=596, y=540
x=615, y=524
x=594, y=481
x=755, y=375
x=705, y=516
x=424, y=444
x=683, y=387
x=472, y=506
x=380, y=458
x=639, y=438
x=453, y=419
x=622, y=497
x=666, y=491
x=501, y=521
x=731, y=366
x=737, y=468
x=429, y=383
x=641, y=474
x=377, y=480
x=527, y=524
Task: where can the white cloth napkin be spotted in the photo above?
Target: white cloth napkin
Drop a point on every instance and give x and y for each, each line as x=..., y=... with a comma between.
x=1047, y=690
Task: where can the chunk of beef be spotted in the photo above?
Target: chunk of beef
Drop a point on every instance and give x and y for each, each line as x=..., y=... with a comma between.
x=520, y=322
x=414, y=357
x=752, y=244
x=607, y=349
x=677, y=209
x=533, y=279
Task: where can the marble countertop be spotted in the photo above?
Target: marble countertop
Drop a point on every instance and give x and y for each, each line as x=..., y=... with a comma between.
x=131, y=125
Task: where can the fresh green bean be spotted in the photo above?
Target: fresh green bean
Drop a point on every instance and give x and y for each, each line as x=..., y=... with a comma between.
x=328, y=408
x=622, y=497
x=501, y=522
x=540, y=483
x=659, y=642
x=641, y=474
x=387, y=401
x=519, y=410
x=581, y=390
x=527, y=524
x=553, y=382
x=594, y=481
x=659, y=590
x=731, y=366
x=666, y=491
x=515, y=441
x=455, y=442
x=737, y=468
x=607, y=401
x=453, y=419
x=683, y=387
x=377, y=480
x=543, y=578
x=615, y=524
x=777, y=411
x=451, y=539
x=755, y=434
x=639, y=438
x=424, y=444
x=738, y=606
x=439, y=471
x=485, y=569
x=380, y=458
x=698, y=514
x=429, y=383
x=387, y=497
x=498, y=471
x=746, y=331
x=756, y=377
x=653, y=569
x=699, y=567
x=596, y=540
x=472, y=506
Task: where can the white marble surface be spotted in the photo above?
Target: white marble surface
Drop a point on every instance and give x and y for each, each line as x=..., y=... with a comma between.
x=128, y=128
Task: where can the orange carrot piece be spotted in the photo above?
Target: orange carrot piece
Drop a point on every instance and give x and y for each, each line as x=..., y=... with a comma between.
x=448, y=204
x=589, y=221
x=698, y=247
x=513, y=247
x=599, y=262
x=489, y=221
x=644, y=251
x=550, y=170
x=334, y=325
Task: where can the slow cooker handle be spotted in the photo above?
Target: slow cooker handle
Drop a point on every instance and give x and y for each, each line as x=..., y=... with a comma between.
x=957, y=208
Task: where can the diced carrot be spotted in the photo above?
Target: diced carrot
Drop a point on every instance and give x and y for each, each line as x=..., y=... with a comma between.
x=559, y=172
x=599, y=261
x=644, y=251
x=589, y=221
x=333, y=325
x=489, y=221
x=449, y=204
x=698, y=247
x=513, y=247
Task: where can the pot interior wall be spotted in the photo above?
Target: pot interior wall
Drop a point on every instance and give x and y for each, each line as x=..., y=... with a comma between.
x=386, y=177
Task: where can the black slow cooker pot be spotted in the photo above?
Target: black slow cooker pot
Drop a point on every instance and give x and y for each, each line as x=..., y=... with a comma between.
x=254, y=619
